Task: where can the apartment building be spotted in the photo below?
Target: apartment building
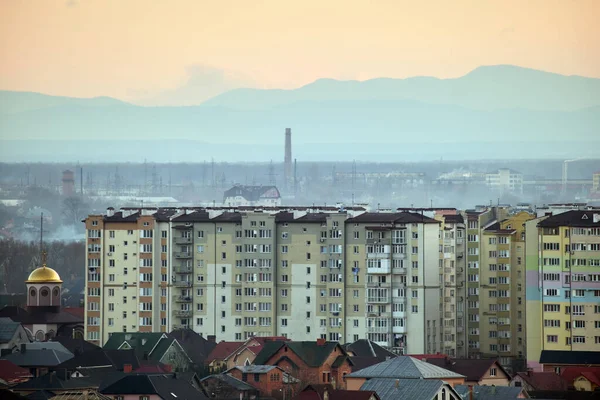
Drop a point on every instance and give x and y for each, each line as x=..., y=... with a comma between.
x=337, y=274
x=563, y=283
x=502, y=289
x=506, y=180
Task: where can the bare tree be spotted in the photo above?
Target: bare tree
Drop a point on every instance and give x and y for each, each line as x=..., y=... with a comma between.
x=74, y=210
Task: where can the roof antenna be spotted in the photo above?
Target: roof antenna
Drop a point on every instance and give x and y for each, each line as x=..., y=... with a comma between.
x=42, y=252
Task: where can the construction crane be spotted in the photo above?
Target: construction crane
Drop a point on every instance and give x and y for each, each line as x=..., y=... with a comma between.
x=565, y=172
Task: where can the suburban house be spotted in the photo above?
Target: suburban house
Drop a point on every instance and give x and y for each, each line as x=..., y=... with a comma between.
x=157, y=347
x=363, y=353
x=244, y=195
x=414, y=389
x=327, y=392
x=539, y=381
x=582, y=378
x=151, y=387
x=490, y=392
x=269, y=380
x=215, y=362
x=55, y=384
x=12, y=335
x=402, y=367
x=312, y=362
x=226, y=387
x=476, y=371
x=247, y=352
x=196, y=346
x=557, y=360
x=39, y=357
x=11, y=374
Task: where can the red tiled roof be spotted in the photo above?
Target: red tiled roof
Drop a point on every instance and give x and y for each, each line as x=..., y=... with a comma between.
x=424, y=357
x=222, y=350
x=12, y=373
x=76, y=311
x=263, y=339
x=544, y=380
x=592, y=374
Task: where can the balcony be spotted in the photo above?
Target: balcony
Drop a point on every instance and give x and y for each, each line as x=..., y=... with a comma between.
x=183, y=313
x=378, y=329
x=182, y=283
x=448, y=255
x=379, y=284
x=182, y=327
x=398, y=270
x=459, y=328
x=399, y=329
x=399, y=256
x=378, y=255
x=448, y=314
x=183, y=299
x=383, y=268
x=447, y=299
x=183, y=270
x=183, y=240
x=183, y=254
x=398, y=314
x=378, y=300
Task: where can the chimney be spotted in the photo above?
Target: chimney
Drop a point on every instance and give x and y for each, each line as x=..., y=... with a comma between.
x=287, y=160
x=321, y=342
x=470, y=392
x=110, y=211
x=211, y=338
x=127, y=368
x=23, y=348
x=397, y=383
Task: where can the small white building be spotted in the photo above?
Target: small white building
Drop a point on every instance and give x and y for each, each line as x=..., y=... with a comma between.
x=241, y=195
x=506, y=180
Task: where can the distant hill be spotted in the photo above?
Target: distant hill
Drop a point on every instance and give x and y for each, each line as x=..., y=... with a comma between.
x=15, y=102
x=485, y=88
x=502, y=106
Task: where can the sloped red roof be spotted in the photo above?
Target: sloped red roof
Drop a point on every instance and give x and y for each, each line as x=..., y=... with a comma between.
x=12, y=373
x=222, y=350
x=263, y=339
x=544, y=380
x=592, y=374
x=76, y=311
x=424, y=357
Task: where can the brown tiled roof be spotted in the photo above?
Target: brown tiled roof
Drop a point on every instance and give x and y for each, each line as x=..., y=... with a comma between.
x=393, y=218
x=544, y=380
x=569, y=374
x=473, y=369
x=574, y=218
x=118, y=217
x=222, y=350
x=12, y=373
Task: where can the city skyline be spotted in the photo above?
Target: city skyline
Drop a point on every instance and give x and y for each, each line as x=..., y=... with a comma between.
x=85, y=49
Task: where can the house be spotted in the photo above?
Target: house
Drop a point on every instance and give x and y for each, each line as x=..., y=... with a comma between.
x=196, y=346
x=116, y=360
x=477, y=371
x=269, y=380
x=157, y=347
x=327, y=392
x=312, y=362
x=151, y=387
x=363, y=353
x=75, y=345
x=226, y=387
x=11, y=374
x=402, y=367
x=39, y=357
x=243, y=195
x=54, y=383
x=536, y=381
x=413, y=389
x=12, y=335
x=558, y=360
x=247, y=352
x=582, y=378
x=490, y=392
x=216, y=359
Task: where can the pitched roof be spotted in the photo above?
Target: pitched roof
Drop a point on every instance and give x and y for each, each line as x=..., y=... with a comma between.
x=102, y=357
x=570, y=357
x=41, y=395
x=52, y=381
x=359, y=363
x=473, y=369
x=8, y=327
x=230, y=381
x=222, y=350
x=310, y=352
x=543, y=380
x=12, y=373
x=392, y=218
x=150, y=344
x=75, y=345
x=6, y=394
x=492, y=392
x=47, y=354
x=339, y=394
x=195, y=345
x=368, y=348
x=404, y=367
x=255, y=369
x=165, y=386
x=414, y=389
x=569, y=374
x=576, y=218
x=251, y=193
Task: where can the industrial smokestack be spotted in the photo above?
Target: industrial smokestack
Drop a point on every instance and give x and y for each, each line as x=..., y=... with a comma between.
x=287, y=160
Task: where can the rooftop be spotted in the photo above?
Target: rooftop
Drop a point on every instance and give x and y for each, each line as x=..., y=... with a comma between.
x=414, y=389
x=543, y=380
x=573, y=218
x=489, y=392
x=405, y=367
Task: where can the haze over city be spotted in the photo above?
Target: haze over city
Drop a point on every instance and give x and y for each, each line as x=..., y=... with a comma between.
x=296, y=200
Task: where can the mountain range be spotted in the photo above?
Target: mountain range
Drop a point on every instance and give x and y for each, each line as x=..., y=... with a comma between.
x=497, y=105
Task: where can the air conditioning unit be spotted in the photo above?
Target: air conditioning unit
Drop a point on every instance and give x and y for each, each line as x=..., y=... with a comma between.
x=322, y=240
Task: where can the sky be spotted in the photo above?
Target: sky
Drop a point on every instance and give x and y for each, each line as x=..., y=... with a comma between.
x=183, y=52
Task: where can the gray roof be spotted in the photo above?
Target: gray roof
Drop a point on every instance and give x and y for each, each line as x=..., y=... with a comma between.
x=45, y=354
x=414, y=389
x=7, y=329
x=231, y=381
x=256, y=369
x=405, y=367
x=489, y=392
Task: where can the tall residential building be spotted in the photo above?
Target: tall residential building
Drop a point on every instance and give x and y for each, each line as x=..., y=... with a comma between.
x=563, y=283
x=506, y=180
x=338, y=274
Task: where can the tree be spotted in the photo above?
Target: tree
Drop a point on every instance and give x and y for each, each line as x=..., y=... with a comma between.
x=74, y=210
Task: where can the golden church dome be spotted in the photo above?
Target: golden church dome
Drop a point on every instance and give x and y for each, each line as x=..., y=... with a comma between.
x=43, y=275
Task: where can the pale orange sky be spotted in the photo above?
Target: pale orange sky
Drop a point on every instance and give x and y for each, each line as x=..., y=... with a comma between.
x=133, y=49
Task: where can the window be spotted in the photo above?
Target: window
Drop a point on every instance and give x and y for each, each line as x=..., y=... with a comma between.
x=492, y=371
